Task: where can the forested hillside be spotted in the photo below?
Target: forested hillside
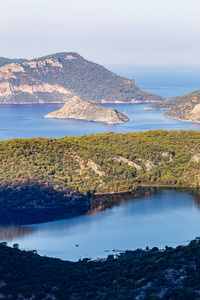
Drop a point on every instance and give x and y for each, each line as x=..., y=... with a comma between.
x=59, y=77
x=49, y=172
x=141, y=274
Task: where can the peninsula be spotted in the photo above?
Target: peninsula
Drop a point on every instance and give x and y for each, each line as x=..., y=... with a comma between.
x=81, y=109
x=184, y=108
x=41, y=172
x=56, y=78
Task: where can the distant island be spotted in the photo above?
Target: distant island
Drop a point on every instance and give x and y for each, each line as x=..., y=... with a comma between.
x=58, y=77
x=81, y=109
x=185, y=108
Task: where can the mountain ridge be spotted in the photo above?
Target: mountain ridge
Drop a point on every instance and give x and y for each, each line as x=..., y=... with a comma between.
x=58, y=77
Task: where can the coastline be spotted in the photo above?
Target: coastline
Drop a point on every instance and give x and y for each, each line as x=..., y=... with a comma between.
x=42, y=214
x=183, y=120
x=100, y=102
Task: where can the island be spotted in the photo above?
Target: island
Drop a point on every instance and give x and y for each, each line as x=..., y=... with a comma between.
x=81, y=109
x=56, y=78
x=184, y=108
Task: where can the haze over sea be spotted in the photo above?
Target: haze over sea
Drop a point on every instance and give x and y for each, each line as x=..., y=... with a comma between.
x=26, y=121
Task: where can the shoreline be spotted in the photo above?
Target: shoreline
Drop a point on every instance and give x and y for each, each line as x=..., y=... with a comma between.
x=145, y=186
x=168, y=109
x=98, y=102
x=190, y=121
x=33, y=215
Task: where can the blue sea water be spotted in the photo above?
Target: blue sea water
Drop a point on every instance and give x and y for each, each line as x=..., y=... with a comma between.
x=166, y=81
x=26, y=121
x=166, y=218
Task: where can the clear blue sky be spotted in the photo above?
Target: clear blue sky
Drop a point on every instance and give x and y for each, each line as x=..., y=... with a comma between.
x=104, y=31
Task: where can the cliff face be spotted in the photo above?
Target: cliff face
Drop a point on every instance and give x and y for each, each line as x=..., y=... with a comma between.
x=59, y=77
x=81, y=109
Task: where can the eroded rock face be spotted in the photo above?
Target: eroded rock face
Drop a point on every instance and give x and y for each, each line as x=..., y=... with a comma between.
x=81, y=109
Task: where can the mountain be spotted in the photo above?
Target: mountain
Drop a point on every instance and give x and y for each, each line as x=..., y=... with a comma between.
x=185, y=108
x=77, y=108
x=59, y=77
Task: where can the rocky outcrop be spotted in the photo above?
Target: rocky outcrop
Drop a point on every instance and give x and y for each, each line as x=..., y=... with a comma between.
x=81, y=109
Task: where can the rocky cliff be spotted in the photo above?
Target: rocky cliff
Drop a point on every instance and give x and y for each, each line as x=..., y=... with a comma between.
x=59, y=77
x=81, y=109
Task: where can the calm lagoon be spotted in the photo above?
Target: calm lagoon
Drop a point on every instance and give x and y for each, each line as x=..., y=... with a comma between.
x=167, y=217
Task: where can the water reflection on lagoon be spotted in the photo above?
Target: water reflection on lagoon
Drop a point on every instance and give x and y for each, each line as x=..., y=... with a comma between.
x=167, y=217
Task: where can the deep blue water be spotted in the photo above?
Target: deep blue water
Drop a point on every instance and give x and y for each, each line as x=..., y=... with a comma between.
x=166, y=81
x=26, y=121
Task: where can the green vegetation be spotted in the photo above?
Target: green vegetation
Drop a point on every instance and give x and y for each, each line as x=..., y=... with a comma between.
x=51, y=172
x=79, y=76
x=4, y=61
x=180, y=107
x=146, y=274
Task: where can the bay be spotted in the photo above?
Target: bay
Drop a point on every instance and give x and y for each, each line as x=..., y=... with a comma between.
x=167, y=217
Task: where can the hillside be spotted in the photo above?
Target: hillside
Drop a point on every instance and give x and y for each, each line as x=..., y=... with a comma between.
x=4, y=61
x=58, y=172
x=171, y=274
x=81, y=109
x=59, y=77
x=185, y=108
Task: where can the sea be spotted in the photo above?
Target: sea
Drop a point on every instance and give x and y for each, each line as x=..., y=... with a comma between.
x=167, y=217
x=27, y=121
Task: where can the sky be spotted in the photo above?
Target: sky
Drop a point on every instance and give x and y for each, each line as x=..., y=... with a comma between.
x=115, y=32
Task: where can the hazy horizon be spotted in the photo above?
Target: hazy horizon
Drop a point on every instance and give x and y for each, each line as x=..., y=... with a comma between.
x=107, y=32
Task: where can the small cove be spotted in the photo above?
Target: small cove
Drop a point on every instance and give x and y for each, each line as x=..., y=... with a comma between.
x=167, y=217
